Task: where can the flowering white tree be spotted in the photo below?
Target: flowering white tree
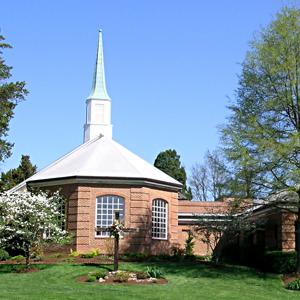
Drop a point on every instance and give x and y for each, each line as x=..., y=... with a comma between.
x=30, y=220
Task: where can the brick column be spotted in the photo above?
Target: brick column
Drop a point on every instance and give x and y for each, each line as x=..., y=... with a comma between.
x=140, y=217
x=288, y=231
x=173, y=215
x=83, y=219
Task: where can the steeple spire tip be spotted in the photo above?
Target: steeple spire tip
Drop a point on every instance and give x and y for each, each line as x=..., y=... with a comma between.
x=99, y=86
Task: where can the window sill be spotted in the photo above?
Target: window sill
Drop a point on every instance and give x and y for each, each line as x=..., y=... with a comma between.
x=161, y=239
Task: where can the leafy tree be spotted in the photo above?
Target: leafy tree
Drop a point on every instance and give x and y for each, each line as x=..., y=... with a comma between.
x=263, y=131
x=15, y=176
x=209, y=180
x=168, y=161
x=221, y=227
x=28, y=221
x=10, y=94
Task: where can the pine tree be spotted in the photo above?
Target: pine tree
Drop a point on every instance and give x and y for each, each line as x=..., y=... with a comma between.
x=169, y=162
x=10, y=94
x=15, y=176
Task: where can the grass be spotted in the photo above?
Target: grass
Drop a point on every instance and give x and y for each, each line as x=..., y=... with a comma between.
x=186, y=281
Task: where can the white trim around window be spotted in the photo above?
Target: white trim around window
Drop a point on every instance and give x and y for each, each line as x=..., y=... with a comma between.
x=105, y=212
x=159, y=219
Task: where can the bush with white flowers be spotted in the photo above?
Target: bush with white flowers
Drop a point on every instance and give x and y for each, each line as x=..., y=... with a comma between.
x=28, y=221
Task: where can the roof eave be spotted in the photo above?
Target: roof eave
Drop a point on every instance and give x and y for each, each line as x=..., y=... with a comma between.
x=105, y=181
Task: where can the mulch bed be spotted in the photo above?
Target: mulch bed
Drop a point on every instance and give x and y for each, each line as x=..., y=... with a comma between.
x=111, y=281
x=289, y=277
x=50, y=261
x=29, y=270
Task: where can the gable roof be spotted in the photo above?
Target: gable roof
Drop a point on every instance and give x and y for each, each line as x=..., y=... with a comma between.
x=103, y=158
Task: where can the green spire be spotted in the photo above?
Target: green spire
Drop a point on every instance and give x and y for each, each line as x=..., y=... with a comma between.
x=99, y=86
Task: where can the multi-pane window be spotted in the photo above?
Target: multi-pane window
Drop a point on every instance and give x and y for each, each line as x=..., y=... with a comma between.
x=159, y=219
x=106, y=206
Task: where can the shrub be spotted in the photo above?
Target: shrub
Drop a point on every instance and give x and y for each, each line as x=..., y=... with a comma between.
x=280, y=262
x=189, y=244
x=18, y=258
x=142, y=275
x=69, y=259
x=190, y=257
x=164, y=257
x=154, y=272
x=74, y=253
x=18, y=268
x=91, y=278
x=95, y=252
x=204, y=257
x=37, y=253
x=99, y=274
x=132, y=256
x=87, y=255
x=91, y=254
x=294, y=285
x=177, y=251
x=4, y=255
x=55, y=255
x=121, y=276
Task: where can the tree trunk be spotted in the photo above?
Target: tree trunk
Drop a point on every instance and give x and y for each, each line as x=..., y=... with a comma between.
x=297, y=239
x=116, y=254
x=27, y=256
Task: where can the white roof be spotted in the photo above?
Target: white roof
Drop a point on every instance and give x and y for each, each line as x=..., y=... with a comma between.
x=103, y=158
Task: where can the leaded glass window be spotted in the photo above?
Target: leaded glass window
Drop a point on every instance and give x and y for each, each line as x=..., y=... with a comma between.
x=159, y=219
x=106, y=206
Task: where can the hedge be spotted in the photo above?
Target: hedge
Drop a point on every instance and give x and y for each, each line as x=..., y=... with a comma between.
x=280, y=262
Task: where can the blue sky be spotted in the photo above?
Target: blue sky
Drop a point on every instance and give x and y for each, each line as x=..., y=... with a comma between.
x=170, y=68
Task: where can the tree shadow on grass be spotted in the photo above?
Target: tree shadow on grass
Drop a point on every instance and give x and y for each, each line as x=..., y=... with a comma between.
x=208, y=270
x=108, y=267
x=15, y=268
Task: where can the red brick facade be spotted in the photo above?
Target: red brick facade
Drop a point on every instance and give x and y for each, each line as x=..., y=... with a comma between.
x=279, y=232
x=81, y=207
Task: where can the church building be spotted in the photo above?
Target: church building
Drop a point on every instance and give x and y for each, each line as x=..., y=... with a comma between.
x=101, y=177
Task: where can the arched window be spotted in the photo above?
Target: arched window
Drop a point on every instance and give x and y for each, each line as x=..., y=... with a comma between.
x=159, y=219
x=106, y=206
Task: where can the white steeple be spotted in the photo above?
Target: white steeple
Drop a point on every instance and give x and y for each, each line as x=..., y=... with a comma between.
x=98, y=104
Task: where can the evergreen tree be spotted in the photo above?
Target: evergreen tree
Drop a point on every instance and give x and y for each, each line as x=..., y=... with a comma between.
x=262, y=138
x=10, y=94
x=15, y=176
x=189, y=244
x=168, y=161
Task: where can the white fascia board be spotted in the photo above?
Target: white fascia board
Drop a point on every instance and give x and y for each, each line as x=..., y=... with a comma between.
x=104, y=181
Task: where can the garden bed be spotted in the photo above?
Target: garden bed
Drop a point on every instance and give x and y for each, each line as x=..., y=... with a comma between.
x=287, y=278
x=111, y=281
x=124, y=277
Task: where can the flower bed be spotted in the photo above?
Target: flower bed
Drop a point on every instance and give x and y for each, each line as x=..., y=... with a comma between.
x=124, y=277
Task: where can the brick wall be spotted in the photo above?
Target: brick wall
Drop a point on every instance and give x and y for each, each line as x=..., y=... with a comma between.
x=81, y=208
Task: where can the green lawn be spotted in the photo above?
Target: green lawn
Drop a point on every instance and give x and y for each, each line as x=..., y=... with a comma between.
x=186, y=281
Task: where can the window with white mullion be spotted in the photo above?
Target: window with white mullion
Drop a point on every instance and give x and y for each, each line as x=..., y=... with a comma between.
x=106, y=206
x=159, y=219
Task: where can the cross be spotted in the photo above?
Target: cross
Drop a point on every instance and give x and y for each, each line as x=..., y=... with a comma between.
x=115, y=230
